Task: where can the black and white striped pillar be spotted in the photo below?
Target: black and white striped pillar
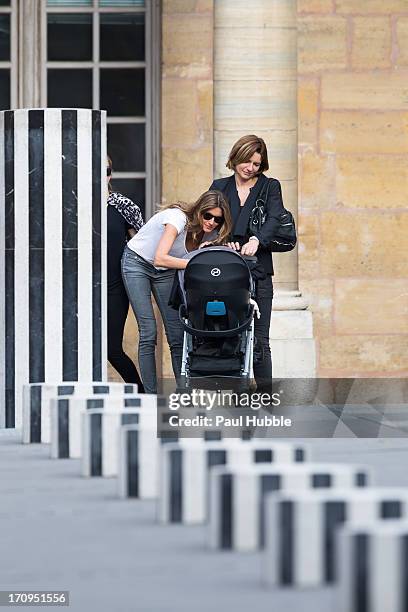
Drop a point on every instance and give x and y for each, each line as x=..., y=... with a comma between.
x=185, y=468
x=52, y=239
x=238, y=494
x=101, y=437
x=373, y=567
x=300, y=530
x=138, y=462
x=36, y=403
x=66, y=418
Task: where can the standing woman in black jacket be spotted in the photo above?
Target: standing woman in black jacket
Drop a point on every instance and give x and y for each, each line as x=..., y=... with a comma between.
x=249, y=159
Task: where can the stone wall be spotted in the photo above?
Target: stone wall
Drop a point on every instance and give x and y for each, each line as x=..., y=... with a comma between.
x=353, y=196
x=187, y=98
x=187, y=105
x=255, y=91
x=187, y=120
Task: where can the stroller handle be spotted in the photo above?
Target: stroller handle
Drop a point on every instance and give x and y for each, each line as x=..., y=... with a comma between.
x=199, y=333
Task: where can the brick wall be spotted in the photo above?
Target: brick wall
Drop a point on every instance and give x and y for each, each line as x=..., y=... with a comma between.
x=353, y=190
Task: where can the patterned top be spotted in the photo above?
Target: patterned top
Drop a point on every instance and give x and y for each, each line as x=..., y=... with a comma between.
x=128, y=209
x=122, y=215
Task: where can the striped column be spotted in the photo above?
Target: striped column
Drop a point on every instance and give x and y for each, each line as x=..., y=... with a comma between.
x=37, y=409
x=138, y=462
x=373, y=562
x=185, y=471
x=52, y=239
x=238, y=494
x=66, y=429
x=300, y=530
x=101, y=437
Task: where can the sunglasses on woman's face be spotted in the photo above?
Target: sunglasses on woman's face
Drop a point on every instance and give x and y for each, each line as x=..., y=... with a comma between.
x=108, y=171
x=208, y=216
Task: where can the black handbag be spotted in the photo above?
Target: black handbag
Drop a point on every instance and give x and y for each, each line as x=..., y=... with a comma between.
x=258, y=214
x=284, y=238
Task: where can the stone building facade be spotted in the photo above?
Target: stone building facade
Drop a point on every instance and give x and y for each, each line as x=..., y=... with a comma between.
x=351, y=143
x=323, y=81
x=353, y=190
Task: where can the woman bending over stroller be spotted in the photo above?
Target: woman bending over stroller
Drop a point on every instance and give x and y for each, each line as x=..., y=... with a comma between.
x=148, y=265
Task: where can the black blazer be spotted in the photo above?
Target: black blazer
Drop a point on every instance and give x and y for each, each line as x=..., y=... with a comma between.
x=240, y=214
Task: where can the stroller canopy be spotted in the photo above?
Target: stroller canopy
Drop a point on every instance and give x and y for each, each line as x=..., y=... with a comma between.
x=217, y=282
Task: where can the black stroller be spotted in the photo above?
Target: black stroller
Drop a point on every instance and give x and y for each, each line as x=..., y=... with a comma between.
x=217, y=315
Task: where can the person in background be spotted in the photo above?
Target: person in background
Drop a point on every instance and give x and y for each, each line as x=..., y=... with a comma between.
x=248, y=159
x=124, y=219
x=148, y=264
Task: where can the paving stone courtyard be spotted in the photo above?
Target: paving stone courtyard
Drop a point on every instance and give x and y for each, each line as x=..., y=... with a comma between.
x=59, y=531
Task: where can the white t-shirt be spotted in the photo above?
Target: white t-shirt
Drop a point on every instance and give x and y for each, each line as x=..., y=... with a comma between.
x=145, y=242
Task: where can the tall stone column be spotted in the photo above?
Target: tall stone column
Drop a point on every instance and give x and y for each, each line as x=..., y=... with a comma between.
x=32, y=29
x=255, y=92
x=52, y=246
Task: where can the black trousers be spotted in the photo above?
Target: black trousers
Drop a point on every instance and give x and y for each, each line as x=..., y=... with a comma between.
x=262, y=351
x=118, y=306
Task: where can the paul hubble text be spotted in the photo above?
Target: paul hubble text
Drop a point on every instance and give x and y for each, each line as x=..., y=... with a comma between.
x=220, y=421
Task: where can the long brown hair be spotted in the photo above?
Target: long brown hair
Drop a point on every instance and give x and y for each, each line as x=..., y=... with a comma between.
x=243, y=150
x=194, y=212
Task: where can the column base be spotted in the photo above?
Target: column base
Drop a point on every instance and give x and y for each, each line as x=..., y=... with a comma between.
x=291, y=335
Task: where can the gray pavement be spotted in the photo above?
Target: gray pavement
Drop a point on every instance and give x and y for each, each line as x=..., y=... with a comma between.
x=59, y=531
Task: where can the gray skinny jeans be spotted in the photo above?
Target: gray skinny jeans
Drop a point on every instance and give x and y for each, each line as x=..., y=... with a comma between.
x=141, y=279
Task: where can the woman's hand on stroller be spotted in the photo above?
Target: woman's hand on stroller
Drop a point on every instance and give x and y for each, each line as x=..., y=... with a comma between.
x=235, y=246
x=250, y=247
x=206, y=244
